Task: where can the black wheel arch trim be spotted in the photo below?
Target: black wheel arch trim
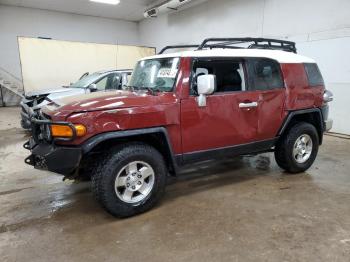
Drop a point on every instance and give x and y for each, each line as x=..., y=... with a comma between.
x=98, y=139
x=292, y=114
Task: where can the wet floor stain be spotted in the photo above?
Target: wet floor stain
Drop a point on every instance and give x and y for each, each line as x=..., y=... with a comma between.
x=13, y=191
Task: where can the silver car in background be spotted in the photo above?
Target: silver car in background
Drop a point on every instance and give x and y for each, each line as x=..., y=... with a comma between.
x=99, y=81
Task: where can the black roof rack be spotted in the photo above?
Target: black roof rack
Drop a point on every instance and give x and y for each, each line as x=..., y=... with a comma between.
x=176, y=47
x=195, y=46
x=231, y=43
x=257, y=43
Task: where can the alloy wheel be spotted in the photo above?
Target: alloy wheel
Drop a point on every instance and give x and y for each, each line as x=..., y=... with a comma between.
x=134, y=182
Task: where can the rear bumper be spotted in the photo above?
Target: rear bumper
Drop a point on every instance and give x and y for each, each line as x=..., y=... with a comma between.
x=57, y=159
x=328, y=124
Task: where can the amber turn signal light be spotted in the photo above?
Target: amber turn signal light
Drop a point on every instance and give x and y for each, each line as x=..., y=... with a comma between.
x=66, y=131
x=80, y=129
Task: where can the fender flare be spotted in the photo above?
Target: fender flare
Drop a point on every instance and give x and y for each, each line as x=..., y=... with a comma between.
x=98, y=139
x=292, y=114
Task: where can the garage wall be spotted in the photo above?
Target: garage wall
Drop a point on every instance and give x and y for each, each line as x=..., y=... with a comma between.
x=18, y=21
x=222, y=18
x=321, y=29
x=71, y=60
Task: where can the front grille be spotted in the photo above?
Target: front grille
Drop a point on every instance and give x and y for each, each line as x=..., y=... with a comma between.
x=41, y=128
x=41, y=132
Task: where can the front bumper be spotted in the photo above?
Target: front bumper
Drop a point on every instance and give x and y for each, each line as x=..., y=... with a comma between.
x=57, y=159
x=45, y=153
x=25, y=119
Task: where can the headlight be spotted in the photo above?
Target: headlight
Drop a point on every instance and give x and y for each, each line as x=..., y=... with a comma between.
x=67, y=131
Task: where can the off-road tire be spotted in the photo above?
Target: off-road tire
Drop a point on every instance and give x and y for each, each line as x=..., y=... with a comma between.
x=284, y=148
x=105, y=174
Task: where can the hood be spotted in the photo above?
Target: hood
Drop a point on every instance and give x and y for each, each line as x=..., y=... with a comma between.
x=66, y=92
x=59, y=95
x=112, y=100
x=49, y=91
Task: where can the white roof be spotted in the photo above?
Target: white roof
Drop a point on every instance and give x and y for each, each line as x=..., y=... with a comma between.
x=280, y=56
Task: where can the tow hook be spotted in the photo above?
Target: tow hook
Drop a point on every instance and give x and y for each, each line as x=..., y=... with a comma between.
x=26, y=145
x=30, y=160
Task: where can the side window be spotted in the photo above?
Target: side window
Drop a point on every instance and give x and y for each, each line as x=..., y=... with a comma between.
x=229, y=74
x=129, y=77
x=313, y=74
x=126, y=77
x=109, y=82
x=264, y=74
x=102, y=83
x=114, y=81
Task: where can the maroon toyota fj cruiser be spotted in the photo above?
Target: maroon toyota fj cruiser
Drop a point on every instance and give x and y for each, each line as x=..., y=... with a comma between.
x=229, y=97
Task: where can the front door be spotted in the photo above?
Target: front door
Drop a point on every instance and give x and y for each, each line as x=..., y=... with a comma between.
x=230, y=116
x=247, y=106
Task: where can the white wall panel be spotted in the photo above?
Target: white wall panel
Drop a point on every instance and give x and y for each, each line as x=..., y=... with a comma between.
x=212, y=19
x=332, y=56
x=51, y=63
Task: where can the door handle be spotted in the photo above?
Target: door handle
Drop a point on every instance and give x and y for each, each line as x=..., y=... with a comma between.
x=248, y=105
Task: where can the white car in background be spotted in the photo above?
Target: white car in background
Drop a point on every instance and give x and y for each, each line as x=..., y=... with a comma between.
x=99, y=81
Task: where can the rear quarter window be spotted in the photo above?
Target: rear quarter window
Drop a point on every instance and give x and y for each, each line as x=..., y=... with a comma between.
x=264, y=74
x=313, y=74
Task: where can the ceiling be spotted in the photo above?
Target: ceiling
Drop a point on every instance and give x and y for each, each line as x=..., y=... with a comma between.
x=131, y=10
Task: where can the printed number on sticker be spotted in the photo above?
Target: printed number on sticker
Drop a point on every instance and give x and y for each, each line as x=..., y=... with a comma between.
x=167, y=73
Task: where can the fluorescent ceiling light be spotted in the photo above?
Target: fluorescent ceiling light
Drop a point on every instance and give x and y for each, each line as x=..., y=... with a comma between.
x=109, y=2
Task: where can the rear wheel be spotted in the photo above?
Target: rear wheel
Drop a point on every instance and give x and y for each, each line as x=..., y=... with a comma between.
x=297, y=150
x=130, y=180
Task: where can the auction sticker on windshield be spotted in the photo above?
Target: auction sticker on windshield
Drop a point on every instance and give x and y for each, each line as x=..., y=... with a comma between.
x=166, y=73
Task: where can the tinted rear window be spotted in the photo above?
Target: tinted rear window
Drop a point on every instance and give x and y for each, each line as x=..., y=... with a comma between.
x=314, y=75
x=264, y=74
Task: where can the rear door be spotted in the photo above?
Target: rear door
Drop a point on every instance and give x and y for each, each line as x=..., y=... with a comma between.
x=266, y=81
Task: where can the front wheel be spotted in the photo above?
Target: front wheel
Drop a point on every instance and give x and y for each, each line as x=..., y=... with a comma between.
x=130, y=180
x=296, y=151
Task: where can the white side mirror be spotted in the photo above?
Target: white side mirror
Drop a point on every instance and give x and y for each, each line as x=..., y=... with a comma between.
x=206, y=85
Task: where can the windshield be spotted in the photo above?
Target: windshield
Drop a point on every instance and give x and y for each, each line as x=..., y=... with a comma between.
x=86, y=80
x=157, y=74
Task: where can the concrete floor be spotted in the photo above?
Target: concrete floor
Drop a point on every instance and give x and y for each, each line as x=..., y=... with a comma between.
x=241, y=210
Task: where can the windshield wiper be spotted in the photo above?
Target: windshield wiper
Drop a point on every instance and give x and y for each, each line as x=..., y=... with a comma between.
x=153, y=91
x=132, y=88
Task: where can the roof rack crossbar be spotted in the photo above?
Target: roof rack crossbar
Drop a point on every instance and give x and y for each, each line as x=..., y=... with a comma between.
x=263, y=43
x=197, y=46
x=223, y=46
x=176, y=47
